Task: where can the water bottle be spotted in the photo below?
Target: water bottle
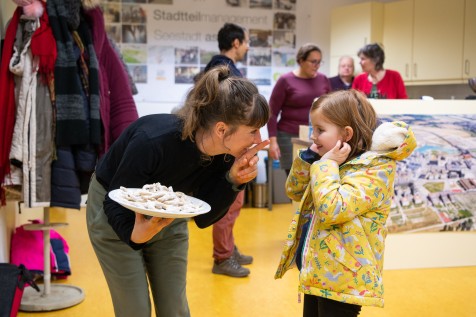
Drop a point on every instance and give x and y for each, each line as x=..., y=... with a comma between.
x=310, y=123
x=310, y=127
x=276, y=165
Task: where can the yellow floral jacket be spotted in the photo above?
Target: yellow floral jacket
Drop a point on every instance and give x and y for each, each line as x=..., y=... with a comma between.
x=347, y=206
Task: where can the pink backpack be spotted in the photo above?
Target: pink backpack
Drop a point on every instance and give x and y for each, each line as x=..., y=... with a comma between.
x=27, y=249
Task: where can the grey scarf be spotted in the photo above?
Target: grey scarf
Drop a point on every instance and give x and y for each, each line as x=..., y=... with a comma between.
x=76, y=78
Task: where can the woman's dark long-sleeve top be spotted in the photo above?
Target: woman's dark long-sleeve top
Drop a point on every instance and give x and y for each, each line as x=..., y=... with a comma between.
x=151, y=150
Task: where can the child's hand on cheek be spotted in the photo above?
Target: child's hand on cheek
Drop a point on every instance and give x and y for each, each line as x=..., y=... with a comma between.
x=313, y=147
x=339, y=153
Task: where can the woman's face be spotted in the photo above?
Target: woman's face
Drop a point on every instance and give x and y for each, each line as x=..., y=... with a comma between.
x=241, y=140
x=311, y=64
x=367, y=64
x=325, y=134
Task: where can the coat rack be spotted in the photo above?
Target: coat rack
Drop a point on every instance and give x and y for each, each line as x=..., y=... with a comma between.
x=51, y=296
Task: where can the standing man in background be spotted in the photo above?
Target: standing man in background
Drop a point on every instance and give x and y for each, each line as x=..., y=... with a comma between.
x=345, y=77
x=233, y=44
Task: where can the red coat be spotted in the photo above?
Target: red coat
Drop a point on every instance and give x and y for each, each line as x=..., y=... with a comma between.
x=7, y=100
x=390, y=87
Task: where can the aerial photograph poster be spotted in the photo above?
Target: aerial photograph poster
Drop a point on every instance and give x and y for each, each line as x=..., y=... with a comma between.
x=435, y=188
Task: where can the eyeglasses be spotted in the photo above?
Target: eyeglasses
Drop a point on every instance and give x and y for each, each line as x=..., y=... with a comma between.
x=315, y=62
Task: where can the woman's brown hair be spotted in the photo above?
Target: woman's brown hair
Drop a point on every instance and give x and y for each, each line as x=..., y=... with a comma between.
x=375, y=52
x=305, y=50
x=218, y=96
x=350, y=108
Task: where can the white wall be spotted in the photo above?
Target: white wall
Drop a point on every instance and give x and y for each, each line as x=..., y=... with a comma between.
x=320, y=32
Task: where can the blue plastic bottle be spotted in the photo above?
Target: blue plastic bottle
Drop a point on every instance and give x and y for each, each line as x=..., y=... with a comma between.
x=310, y=123
x=310, y=127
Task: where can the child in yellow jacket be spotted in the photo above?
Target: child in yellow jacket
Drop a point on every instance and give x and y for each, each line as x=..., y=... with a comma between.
x=344, y=183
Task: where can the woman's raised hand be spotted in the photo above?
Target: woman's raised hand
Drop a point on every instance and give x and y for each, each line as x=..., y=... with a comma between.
x=245, y=167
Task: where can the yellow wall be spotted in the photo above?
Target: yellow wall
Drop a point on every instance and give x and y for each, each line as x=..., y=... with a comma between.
x=6, y=11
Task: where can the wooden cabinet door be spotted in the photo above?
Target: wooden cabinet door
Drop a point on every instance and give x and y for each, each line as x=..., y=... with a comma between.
x=469, y=55
x=352, y=27
x=398, y=37
x=438, y=40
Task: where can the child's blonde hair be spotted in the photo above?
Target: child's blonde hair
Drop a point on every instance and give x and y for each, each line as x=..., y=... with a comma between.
x=350, y=108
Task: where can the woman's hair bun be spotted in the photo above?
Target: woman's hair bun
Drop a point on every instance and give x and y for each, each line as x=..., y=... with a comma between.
x=224, y=73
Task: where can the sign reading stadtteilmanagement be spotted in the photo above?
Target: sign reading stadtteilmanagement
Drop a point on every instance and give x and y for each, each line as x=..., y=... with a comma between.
x=165, y=43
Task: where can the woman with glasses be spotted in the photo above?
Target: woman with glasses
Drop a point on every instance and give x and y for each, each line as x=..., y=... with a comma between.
x=375, y=81
x=291, y=100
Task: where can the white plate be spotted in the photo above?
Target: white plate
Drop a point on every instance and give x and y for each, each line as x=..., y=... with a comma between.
x=171, y=212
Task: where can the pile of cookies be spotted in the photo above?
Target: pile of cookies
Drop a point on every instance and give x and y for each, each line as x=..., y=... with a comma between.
x=158, y=197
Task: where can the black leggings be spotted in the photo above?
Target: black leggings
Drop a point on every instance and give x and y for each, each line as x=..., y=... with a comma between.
x=315, y=306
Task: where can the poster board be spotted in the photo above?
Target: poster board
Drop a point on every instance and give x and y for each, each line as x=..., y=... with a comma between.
x=435, y=188
x=165, y=43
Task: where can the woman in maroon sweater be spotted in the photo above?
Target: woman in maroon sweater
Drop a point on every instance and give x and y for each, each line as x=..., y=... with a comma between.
x=291, y=100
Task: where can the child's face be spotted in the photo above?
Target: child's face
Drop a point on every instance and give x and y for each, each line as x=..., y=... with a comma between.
x=325, y=134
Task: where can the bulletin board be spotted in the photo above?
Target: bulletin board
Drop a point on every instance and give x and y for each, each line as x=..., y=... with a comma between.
x=165, y=43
